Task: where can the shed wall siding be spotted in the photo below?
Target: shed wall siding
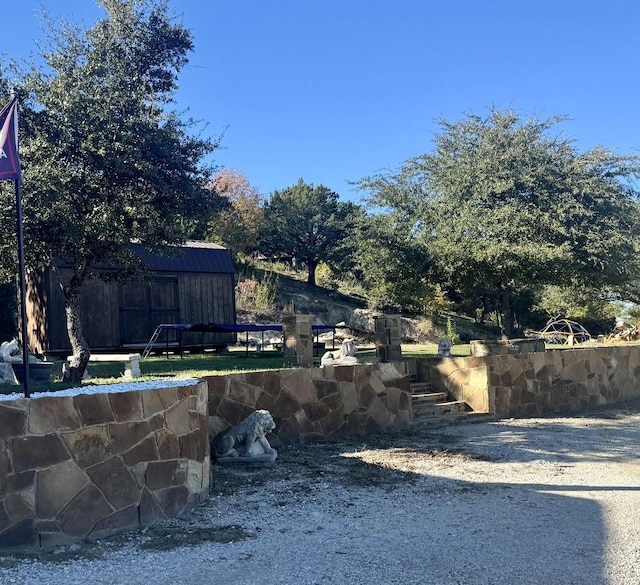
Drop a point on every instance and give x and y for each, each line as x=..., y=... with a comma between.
x=207, y=300
x=99, y=306
x=203, y=298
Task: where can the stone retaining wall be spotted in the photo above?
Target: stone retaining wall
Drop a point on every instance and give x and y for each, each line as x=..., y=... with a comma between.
x=464, y=378
x=315, y=403
x=538, y=383
x=563, y=380
x=484, y=347
x=91, y=465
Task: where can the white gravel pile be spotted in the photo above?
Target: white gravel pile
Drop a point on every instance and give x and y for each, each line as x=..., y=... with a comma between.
x=542, y=501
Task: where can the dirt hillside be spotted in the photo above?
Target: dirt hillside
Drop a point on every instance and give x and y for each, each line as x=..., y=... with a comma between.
x=330, y=307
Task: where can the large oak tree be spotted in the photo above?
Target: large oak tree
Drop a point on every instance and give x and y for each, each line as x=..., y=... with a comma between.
x=308, y=223
x=504, y=204
x=105, y=159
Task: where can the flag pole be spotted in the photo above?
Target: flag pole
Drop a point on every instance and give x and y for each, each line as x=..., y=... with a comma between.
x=23, y=289
x=10, y=169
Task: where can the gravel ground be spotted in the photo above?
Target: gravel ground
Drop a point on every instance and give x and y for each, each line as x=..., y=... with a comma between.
x=535, y=501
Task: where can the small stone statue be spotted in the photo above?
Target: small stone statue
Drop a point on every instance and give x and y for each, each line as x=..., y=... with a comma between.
x=444, y=347
x=10, y=352
x=345, y=356
x=247, y=441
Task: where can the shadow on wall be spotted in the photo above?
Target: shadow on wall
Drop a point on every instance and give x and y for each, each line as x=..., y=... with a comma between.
x=8, y=312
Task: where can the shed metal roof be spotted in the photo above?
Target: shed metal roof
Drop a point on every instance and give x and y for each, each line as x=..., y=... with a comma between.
x=192, y=257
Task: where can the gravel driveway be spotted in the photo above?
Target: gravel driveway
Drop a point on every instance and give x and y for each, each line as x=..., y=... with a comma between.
x=529, y=501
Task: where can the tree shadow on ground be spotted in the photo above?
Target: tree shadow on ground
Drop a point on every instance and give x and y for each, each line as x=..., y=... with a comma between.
x=530, y=531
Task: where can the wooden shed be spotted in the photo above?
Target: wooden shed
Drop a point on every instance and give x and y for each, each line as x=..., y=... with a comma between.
x=194, y=286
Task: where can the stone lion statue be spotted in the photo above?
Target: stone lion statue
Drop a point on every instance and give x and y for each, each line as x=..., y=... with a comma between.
x=344, y=356
x=10, y=352
x=248, y=438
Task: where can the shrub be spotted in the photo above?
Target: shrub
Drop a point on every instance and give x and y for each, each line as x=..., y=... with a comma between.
x=257, y=296
x=452, y=333
x=265, y=293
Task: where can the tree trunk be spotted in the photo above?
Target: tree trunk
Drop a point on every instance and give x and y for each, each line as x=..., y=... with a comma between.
x=508, y=329
x=311, y=266
x=79, y=345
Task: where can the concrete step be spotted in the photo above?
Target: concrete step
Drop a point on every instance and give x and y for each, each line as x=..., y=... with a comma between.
x=429, y=397
x=439, y=408
x=453, y=418
x=420, y=387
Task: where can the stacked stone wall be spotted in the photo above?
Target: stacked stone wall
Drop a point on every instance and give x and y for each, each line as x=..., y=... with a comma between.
x=91, y=465
x=483, y=347
x=537, y=383
x=315, y=403
x=87, y=466
x=298, y=340
x=560, y=381
x=388, y=337
x=464, y=378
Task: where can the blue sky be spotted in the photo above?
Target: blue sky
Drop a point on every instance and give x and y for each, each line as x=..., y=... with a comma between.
x=334, y=90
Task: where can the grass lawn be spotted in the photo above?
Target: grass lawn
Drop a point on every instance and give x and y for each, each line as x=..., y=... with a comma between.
x=237, y=360
x=424, y=350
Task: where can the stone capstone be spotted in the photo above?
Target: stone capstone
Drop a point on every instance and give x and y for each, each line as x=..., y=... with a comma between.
x=50, y=414
x=127, y=406
x=94, y=409
x=12, y=421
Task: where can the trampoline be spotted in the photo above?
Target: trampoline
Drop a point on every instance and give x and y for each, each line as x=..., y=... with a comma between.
x=245, y=328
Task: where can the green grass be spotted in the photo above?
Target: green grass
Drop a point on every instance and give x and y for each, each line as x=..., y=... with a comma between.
x=154, y=367
x=237, y=360
x=424, y=350
x=209, y=364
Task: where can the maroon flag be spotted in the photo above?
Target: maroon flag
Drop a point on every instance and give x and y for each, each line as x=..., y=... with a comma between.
x=9, y=160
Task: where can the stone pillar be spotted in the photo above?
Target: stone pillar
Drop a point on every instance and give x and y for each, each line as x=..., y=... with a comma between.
x=388, y=334
x=298, y=340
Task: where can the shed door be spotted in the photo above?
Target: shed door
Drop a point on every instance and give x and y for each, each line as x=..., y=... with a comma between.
x=145, y=305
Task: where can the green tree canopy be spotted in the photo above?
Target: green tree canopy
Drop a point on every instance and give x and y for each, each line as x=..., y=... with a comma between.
x=504, y=203
x=309, y=224
x=392, y=264
x=105, y=160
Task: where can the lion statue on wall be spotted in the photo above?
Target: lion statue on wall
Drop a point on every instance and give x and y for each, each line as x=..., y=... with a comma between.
x=248, y=438
x=344, y=356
